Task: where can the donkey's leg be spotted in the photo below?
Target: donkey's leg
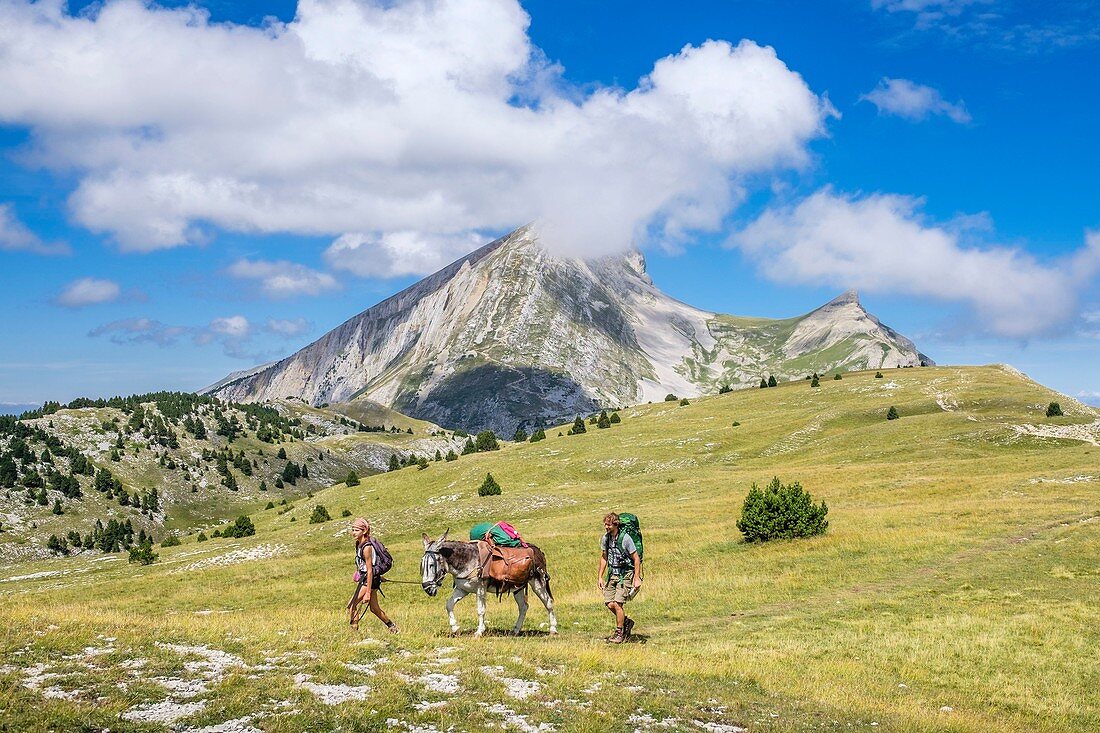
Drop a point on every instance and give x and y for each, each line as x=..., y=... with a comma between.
x=480, y=610
x=521, y=601
x=540, y=589
x=457, y=596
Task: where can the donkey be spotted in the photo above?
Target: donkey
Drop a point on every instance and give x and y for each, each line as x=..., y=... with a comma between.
x=460, y=559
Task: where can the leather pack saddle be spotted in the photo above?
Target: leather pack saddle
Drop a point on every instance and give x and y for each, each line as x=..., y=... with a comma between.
x=508, y=567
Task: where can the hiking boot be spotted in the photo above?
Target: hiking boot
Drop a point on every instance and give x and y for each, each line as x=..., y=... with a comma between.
x=616, y=638
x=628, y=627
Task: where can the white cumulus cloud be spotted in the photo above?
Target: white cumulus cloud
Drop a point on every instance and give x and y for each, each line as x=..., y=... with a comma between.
x=380, y=118
x=16, y=237
x=883, y=243
x=288, y=328
x=281, y=279
x=913, y=101
x=397, y=253
x=88, y=291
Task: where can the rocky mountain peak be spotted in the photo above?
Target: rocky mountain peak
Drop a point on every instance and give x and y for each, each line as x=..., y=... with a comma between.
x=511, y=334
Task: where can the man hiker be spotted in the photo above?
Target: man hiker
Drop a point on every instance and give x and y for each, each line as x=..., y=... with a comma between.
x=368, y=582
x=620, y=574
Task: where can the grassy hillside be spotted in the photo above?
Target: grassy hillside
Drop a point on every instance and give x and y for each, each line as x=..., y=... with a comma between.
x=206, y=459
x=955, y=589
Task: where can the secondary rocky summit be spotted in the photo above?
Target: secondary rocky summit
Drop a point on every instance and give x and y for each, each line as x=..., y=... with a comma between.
x=512, y=335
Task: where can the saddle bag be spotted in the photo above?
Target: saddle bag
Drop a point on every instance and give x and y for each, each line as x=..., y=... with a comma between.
x=509, y=567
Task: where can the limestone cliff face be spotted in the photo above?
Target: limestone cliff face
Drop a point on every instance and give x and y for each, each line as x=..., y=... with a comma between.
x=510, y=334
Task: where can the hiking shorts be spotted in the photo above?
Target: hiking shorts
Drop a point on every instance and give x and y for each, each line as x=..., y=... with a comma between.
x=619, y=588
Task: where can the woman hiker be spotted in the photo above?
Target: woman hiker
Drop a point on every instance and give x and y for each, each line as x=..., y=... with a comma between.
x=368, y=582
x=620, y=574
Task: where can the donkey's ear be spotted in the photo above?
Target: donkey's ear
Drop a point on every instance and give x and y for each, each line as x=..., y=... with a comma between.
x=446, y=551
x=444, y=537
x=427, y=540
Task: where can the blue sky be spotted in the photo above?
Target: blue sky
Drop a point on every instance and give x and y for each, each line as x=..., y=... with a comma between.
x=192, y=197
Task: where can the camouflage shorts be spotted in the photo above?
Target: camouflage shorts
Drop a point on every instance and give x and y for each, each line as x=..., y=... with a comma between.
x=619, y=589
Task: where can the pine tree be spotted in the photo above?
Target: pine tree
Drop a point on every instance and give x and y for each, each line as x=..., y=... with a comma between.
x=487, y=441
x=539, y=434
x=603, y=421
x=763, y=383
x=469, y=447
x=438, y=457
x=57, y=507
x=281, y=453
x=671, y=397
x=724, y=389
x=320, y=515
x=489, y=487
x=1054, y=410
x=451, y=455
x=772, y=382
x=421, y=463
x=615, y=419
x=815, y=382
x=878, y=375
x=578, y=427
x=394, y=464
x=836, y=377
x=520, y=435
x=892, y=413
x=352, y=479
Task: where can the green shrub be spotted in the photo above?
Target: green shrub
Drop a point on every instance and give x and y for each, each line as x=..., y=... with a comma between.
x=520, y=435
x=615, y=419
x=892, y=413
x=320, y=515
x=603, y=421
x=878, y=375
x=735, y=424
x=170, y=541
x=671, y=397
x=725, y=388
x=352, y=479
x=270, y=505
x=781, y=511
x=578, y=427
x=421, y=463
x=815, y=382
x=1054, y=410
x=143, y=553
x=243, y=527
x=538, y=435
x=684, y=402
x=489, y=487
x=836, y=377
x=451, y=456
x=486, y=441
x=202, y=537
x=346, y=513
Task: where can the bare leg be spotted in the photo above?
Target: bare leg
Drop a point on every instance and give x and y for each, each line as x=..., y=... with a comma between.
x=617, y=609
x=376, y=609
x=457, y=596
x=353, y=609
x=521, y=601
x=547, y=601
x=480, y=611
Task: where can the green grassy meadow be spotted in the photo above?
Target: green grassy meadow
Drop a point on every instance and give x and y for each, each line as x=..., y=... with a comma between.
x=956, y=589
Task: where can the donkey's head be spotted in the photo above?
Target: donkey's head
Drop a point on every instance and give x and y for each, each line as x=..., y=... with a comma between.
x=433, y=566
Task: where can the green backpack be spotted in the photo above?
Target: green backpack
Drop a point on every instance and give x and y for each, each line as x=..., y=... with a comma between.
x=628, y=523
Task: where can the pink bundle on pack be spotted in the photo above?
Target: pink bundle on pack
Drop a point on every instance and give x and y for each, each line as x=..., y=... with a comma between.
x=511, y=532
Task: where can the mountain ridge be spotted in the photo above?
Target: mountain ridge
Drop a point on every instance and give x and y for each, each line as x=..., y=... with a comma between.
x=511, y=335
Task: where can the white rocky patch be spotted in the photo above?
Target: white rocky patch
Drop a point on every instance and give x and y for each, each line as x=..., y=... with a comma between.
x=1089, y=433
x=331, y=694
x=259, y=552
x=516, y=688
x=165, y=712
x=31, y=576
x=237, y=725
x=446, y=684
x=718, y=727
x=512, y=719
